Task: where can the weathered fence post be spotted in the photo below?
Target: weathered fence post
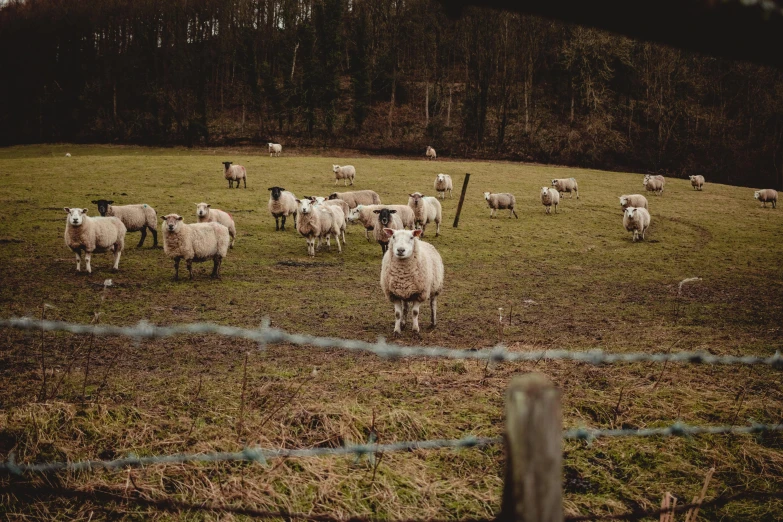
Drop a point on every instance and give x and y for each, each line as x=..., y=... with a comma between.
x=461, y=198
x=534, y=447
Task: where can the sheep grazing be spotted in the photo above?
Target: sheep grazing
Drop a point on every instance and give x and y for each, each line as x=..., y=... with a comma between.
x=93, y=235
x=654, y=184
x=636, y=220
x=697, y=182
x=426, y=209
x=234, y=173
x=633, y=200
x=281, y=204
x=195, y=242
x=549, y=197
x=275, y=149
x=357, y=197
x=345, y=173
x=206, y=214
x=431, y=154
x=385, y=219
x=501, y=201
x=411, y=273
x=566, y=185
x=134, y=217
x=442, y=184
x=767, y=195
x=67, y=154
x=317, y=222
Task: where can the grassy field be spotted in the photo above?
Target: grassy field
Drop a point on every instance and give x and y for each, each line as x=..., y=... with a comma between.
x=573, y=280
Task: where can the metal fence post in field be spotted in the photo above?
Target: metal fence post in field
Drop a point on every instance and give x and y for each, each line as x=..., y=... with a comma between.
x=461, y=198
x=534, y=447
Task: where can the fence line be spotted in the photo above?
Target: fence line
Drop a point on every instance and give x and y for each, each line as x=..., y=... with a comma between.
x=261, y=455
x=268, y=335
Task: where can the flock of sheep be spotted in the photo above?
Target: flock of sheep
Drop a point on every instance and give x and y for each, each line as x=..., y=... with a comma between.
x=412, y=270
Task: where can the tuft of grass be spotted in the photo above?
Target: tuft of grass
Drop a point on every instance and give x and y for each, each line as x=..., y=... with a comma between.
x=573, y=280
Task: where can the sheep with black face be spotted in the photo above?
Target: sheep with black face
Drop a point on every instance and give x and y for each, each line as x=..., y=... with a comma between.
x=281, y=204
x=135, y=218
x=385, y=218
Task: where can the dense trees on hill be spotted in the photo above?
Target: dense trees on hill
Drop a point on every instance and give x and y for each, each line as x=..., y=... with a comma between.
x=385, y=75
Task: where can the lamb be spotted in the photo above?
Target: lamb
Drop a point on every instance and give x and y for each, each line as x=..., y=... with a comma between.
x=385, y=218
x=345, y=173
x=88, y=235
x=501, y=201
x=549, y=197
x=206, y=214
x=275, y=149
x=633, y=200
x=654, y=184
x=281, y=204
x=431, y=154
x=442, y=184
x=636, y=220
x=697, y=182
x=195, y=242
x=566, y=185
x=364, y=215
x=339, y=203
x=411, y=273
x=134, y=217
x=426, y=209
x=317, y=222
x=357, y=197
x=767, y=195
x=234, y=173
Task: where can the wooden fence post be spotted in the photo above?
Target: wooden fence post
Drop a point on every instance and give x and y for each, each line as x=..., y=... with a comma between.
x=533, y=490
x=461, y=198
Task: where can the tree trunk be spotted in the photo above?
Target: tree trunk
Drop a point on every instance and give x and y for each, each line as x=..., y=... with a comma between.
x=448, y=110
x=293, y=64
x=391, y=105
x=427, y=104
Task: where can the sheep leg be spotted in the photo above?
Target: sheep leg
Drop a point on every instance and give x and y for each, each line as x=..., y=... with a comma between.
x=352, y=182
x=434, y=310
x=336, y=181
x=367, y=234
x=216, y=267
x=154, y=237
x=143, y=237
x=329, y=242
x=437, y=230
x=78, y=261
x=337, y=239
x=87, y=257
x=415, y=316
x=399, y=317
x=230, y=185
x=245, y=181
x=515, y=214
x=343, y=231
x=176, y=268
x=282, y=227
x=190, y=268
x=117, y=254
x=277, y=223
x=405, y=310
x=555, y=208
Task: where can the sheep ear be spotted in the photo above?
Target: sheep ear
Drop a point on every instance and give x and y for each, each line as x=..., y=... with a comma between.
x=179, y=218
x=110, y=202
x=392, y=211
x=84, y=211
x=388, y=231
x=94, y=202
x=298, y=200
x=417, y=232
x=67, y=210
x=209, y=206
x=376, y=211
x=270, y=188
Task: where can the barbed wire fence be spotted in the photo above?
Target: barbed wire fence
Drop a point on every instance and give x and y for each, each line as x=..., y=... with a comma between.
x=266, y=334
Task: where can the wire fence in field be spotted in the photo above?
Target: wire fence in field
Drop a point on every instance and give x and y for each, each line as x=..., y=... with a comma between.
x=265, y=334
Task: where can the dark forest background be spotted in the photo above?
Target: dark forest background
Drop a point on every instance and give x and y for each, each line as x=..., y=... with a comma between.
x=384, y=75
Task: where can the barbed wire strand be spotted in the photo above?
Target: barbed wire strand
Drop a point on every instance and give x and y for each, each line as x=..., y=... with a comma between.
x=266, y=335
x=261, y=455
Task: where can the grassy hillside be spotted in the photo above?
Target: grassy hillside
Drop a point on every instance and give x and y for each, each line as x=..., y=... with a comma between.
x=573, y=280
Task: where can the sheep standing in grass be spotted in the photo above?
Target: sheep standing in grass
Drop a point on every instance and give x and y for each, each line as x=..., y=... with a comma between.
x=357, y=197
x=566, y=185
x=134, y=217
x=275, y=149
x=636, y=220
x=697, y=182
x=411, y=273
x=633, y=200
x=206, y=214
x=442, y=184
x=234, y=173
x=654, y=184
x=281, y=204
x=549, y=197
x=431, y=154
x=93, y=235
x=317, y=222
x=767, y=195
x=195, y=242
x=501, y=201
x=345, y=173
x=339, y=203
x=426, y=209
x=385, y=218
